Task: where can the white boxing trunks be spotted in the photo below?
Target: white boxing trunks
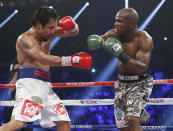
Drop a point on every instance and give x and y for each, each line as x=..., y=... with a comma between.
x=35, y=99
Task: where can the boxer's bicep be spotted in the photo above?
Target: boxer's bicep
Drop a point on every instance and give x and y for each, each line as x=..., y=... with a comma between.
x=145, y=49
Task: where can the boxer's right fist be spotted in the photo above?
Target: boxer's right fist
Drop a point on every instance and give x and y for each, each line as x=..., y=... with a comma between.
x=112, y=45
x=68, y=24
x=94, y=42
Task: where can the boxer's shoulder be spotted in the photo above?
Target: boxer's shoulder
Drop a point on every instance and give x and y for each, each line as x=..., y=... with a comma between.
x=143, y=35
x=25, y=40
x=144, y=40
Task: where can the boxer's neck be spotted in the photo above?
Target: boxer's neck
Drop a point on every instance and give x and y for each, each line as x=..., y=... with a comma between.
x=33, y=31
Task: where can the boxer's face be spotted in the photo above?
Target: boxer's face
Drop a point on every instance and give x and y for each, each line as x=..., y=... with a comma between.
x=121, y=24
x=47, y=32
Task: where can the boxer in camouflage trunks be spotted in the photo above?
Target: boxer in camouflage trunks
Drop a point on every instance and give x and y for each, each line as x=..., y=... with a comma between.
x=133, y=49
x=131, y=97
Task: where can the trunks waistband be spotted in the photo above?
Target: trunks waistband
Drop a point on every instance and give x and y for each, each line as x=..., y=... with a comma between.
x=33, y=72
x=124, y=78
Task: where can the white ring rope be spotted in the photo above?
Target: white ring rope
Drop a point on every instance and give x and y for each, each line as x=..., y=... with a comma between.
x=97, y=102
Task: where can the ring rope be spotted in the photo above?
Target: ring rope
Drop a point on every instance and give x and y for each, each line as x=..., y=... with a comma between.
x=89, y=84
x=97, y=102
x=102, y=127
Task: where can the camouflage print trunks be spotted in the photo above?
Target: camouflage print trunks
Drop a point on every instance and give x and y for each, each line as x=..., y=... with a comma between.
x=131, y=96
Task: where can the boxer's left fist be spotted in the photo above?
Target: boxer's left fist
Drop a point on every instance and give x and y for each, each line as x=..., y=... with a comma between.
x=68, y=24
x=81, y=60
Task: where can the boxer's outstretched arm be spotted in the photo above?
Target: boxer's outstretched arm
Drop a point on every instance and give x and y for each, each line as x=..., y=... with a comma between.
x=27, y=47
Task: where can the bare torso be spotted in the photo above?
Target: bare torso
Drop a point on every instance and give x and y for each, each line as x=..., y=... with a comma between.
x=27, y=61
x=132, y=48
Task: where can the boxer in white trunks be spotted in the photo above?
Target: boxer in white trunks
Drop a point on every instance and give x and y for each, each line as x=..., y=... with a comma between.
x=35, y=98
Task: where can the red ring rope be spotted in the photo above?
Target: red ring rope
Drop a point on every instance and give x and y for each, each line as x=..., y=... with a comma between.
x=86, y=84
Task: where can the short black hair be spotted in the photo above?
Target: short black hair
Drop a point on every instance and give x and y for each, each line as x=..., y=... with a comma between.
x=43, y=15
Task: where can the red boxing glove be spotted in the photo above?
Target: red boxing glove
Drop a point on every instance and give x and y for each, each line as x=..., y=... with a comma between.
x=81, y=60
x=61, y=30
x=68, y=24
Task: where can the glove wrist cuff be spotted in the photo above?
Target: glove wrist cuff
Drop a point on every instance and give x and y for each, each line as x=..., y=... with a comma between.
x=66, y=61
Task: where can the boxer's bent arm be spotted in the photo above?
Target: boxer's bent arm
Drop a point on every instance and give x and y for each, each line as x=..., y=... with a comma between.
x=143, y=56
x=36, y=53
x=108, y=34
x=66, y=33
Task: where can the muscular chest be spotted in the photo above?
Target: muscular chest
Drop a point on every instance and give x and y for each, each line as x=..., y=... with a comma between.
x=130, y=48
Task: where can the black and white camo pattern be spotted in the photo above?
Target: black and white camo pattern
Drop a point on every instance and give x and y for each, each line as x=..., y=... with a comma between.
x=132, y=98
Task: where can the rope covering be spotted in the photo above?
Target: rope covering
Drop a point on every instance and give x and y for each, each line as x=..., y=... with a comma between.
x=97, y=102
x=89, y=84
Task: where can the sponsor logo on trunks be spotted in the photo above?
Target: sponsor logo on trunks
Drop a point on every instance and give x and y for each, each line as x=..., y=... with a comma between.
x=60, y=109
x=30, y=109
x=119, y=116
x=37, y=99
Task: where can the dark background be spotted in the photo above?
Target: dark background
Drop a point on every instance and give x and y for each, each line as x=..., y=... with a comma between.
x=96, y=19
